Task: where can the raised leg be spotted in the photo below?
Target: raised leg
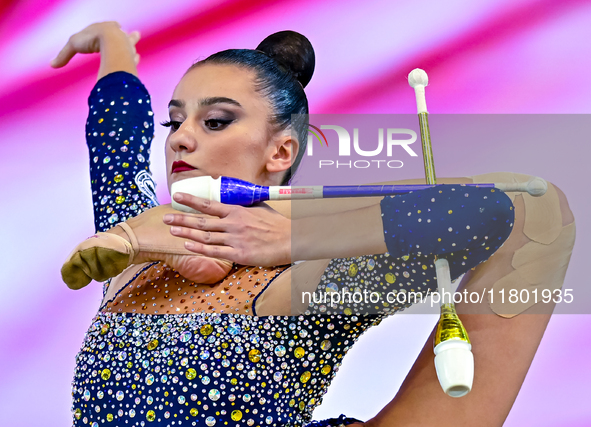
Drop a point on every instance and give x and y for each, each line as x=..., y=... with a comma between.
x=504, y=344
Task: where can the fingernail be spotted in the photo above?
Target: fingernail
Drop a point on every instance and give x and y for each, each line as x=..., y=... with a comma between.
x=189, y=245
x=168, y=218
x=178, y=197
x=175, y=230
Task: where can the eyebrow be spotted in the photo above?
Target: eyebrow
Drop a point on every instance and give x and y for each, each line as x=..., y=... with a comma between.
x=206, y=102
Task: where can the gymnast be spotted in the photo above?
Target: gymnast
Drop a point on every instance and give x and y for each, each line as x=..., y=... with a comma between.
x=197, y=325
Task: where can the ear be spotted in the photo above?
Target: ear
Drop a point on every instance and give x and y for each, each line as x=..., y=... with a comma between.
x=283, y=152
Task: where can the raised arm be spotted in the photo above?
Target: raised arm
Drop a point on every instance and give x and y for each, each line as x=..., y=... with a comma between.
x=119, y=132
x=120, y=125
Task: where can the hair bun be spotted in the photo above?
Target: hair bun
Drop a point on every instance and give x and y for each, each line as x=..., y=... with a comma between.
x=293, y=51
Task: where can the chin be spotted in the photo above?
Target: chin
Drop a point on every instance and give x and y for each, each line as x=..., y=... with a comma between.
x=172, y=179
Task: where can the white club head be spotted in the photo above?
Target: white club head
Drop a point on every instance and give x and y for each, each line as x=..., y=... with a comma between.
x=418, y=77
x=201, y=186
x=454, y=363
x=537, y=186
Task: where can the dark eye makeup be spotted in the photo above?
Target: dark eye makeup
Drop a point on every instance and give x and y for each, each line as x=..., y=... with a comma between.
x=218, y=124
x=173, y=124
x=212, y=124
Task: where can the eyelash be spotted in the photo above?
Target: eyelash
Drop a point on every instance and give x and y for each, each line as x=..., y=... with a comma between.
x=171, y=124
x=175, y=124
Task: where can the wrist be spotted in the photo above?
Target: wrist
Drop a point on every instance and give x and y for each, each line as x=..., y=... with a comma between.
x=111, y=34
x=299, y=229
x=117, y=52
x=118, y=231
x=340, y=235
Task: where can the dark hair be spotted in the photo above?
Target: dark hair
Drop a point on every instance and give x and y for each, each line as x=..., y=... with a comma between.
x=283, y=64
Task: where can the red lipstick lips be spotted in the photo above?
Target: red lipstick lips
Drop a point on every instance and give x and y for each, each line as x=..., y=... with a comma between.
x=180, y=166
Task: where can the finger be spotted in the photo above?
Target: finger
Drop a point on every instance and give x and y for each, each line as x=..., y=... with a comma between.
x=136, y=59
x=64, y=56
x=134, y=37
x=197, y=222
x=212, y=251
x=209, y=207
x=205, y=237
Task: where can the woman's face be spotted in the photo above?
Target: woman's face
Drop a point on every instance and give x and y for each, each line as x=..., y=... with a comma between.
x=219, y=126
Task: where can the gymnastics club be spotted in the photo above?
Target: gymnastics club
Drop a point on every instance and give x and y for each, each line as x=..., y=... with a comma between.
x=454, y=361
x=235, y=191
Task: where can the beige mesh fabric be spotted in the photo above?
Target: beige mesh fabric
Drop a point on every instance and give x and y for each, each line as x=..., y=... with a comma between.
x=539, y=265
x=162, y=290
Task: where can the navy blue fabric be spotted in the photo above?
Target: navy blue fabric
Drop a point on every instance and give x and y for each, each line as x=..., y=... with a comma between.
x=463, y=224
x=340, y=421
x=119, y=132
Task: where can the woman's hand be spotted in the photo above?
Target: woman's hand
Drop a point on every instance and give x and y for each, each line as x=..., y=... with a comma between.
x=249, y=236
x=117, y=48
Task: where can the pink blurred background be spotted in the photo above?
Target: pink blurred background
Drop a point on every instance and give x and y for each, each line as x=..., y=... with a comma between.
x=483, y=57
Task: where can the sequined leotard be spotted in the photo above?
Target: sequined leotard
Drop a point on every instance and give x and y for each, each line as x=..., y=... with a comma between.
x=225, y=369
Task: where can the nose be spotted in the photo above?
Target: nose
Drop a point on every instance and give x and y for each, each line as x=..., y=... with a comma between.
x=183, y=139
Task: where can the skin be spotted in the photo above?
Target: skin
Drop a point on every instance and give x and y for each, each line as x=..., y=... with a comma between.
x=117, y=48
x=503, y=348
x=220, y=125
